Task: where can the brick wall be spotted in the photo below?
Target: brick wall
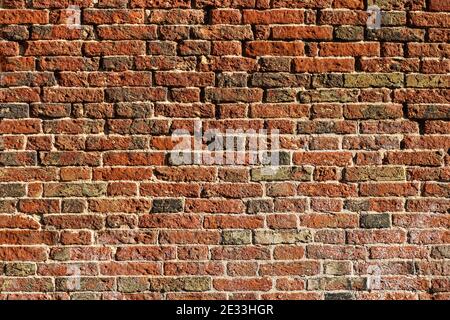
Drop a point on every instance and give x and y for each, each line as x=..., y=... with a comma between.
x=91, y=205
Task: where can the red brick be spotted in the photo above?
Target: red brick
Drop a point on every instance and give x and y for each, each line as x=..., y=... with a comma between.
x=18, y=221
x=349, y=4
x=214, y=206
x=329, y=221
x=23, y=254
x=184, y=79
x=240, y=253
x=130, y=268
x=158, y=4
x=307, y=32
x=52, y=48
x=114, y=48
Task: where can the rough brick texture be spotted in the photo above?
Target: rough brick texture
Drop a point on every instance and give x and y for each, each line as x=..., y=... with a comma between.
x=92, y=207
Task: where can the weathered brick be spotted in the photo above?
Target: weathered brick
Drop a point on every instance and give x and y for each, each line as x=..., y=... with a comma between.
x=131, y=284
x=349, y=33
x=436, y=111
x=223, y=32
x=12, y=190
x=236, y=237
x=337, y=268
x=319, y=65
x=427, y=81
x=23, y=16
x=350, y=49
x=388, y=111
x=303, y=32
x=167, y=205
x=74, y=190
x=126, y=47
x=276, y=16
x=421, y=158
x=20, y=269
x=197, y=284
x=221, y=95
x=282, y=237
x=274, y=48
x=13, y=111
x=375, y=174
x=281, y=174
x=373, y=80
x=375, y=221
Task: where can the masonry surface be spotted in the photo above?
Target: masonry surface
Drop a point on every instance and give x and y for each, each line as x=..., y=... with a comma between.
x=91, y=206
